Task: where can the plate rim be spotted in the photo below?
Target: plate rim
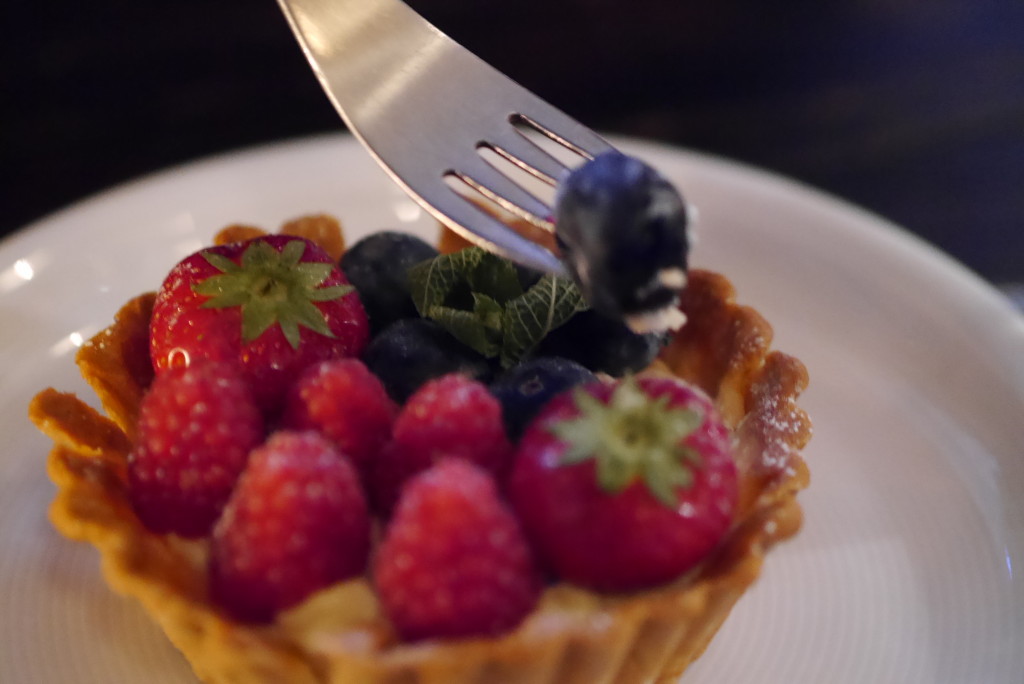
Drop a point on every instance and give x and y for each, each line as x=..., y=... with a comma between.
x=937, y=262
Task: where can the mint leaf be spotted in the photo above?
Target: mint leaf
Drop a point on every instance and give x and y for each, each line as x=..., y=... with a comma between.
x=479, y=329
x=494, y=277
x=529, y=318
x=498, y=318
x=468, y=328
x=432, y=281
x=489, y=311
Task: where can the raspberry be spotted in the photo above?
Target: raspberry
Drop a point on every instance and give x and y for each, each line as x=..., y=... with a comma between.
x=196, y=428
x=346, y=403
x=296, y=523
x=452, y=416
x=453, y=562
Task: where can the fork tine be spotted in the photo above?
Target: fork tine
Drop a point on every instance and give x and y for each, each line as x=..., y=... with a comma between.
x=459, y=213
x=521, y=151
x=561, y=128
x=392, y=76
x=499, y=188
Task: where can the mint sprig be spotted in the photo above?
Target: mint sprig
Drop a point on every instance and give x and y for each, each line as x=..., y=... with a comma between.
x=476, y=296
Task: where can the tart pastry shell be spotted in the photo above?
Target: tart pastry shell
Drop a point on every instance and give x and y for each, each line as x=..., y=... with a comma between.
x=339, y=635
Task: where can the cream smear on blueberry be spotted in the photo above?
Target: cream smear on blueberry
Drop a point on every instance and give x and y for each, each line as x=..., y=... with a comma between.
x=624, y=232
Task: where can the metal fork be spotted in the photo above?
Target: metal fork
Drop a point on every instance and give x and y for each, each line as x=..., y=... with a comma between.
x=425, y=108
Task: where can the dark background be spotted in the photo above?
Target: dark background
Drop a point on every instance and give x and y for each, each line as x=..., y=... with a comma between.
x=912, y=108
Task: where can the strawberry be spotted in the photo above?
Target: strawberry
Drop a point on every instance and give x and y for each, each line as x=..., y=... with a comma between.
x=625, y=486
x=296, y=523
x=274, y=304
x=346, y=403
x=451, y=416
x=195, y=430
x=453, y=561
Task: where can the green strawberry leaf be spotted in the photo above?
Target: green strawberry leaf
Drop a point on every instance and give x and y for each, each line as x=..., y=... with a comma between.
x=221, y=262
x=271, y=287
x=633, y=437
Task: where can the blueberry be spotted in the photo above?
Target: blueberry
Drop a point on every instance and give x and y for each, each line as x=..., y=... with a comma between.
x=378, y=267
x=622, y=229
x=524, y=389
x=413, y=350
x=602, y=344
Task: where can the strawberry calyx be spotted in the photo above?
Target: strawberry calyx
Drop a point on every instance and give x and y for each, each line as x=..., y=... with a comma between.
x=634, y=436
x=271, y=287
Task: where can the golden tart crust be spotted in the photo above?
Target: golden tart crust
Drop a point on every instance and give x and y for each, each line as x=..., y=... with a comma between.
x=339, y=635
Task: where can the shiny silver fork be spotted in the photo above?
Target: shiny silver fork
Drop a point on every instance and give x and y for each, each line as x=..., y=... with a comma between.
x=425, y=108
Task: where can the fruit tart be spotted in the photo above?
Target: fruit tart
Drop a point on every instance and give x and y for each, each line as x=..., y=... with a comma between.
x=390, y=463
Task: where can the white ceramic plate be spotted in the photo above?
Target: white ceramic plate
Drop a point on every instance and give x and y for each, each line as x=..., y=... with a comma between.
x=904, y=571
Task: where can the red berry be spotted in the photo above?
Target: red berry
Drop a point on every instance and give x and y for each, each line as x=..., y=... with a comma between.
x=196, y=428
x=274, y=304
x=296, y=523
x=625, y=486
x=451, y=416
x=453, y=562
x=346, y=403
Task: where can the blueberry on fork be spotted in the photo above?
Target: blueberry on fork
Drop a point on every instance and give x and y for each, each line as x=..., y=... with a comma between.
x=622, y=228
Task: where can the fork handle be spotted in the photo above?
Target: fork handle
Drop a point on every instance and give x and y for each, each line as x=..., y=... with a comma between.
x=365, y=49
